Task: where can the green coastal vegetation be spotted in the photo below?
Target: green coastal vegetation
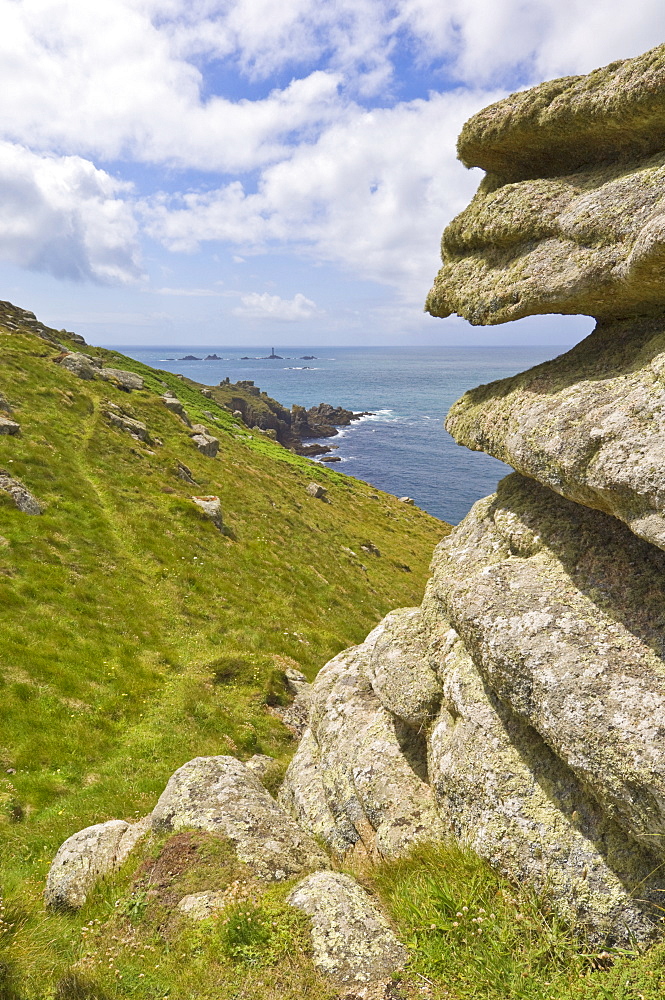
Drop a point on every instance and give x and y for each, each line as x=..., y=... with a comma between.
x=137, y=633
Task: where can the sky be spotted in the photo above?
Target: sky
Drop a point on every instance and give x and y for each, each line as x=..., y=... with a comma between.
x=231, y=172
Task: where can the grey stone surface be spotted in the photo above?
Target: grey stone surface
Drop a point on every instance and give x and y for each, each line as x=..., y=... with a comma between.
x=563, y=611
x=260, y=765
x=373, y=767
x=222, y=795
x=207, y=444
x=212, y=508
x=352, y=941
x=134, y=427
x=128, y=380
x=507, y=796
x=399, y=669
x=10, y=427
x=22, y=497
x=201, y=905
x=316, y=491
x=172, y=403
x=81, y=365
x=590, y=424
x=85, y=857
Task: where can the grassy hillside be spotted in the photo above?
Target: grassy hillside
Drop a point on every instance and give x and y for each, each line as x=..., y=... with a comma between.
x=136, y=635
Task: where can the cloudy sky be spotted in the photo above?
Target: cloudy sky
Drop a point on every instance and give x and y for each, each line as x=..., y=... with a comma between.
x=231, y=172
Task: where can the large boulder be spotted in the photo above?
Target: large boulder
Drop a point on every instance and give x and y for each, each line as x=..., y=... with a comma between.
x=510, y=798
x=589, y=424
x=351, y=939
x=222, y=795
x=399, y=667
x=563, y=611
x=85, y=857
x=361, y=766
x=569, y=218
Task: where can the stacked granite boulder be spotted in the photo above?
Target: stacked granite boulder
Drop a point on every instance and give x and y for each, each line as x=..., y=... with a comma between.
x=521, y=709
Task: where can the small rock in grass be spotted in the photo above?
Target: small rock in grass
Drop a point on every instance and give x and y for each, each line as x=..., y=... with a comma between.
x=211, y=506
x=88, y=855
x=407, y=500
x=351, y=939
x=22, y=497
x=134, y=427
x=126, y=380
x=207, y=444
x=8, y=426
x=184, y=472
x=316, y=491
x=172, y=403
x=200, y=905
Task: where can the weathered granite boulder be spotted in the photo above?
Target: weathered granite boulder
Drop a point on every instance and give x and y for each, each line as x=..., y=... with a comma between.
x=172, y=403
x=81, y=365
x=88, y=855
x=399, y=669
x=22, y=497
x=316, y=491
x=8, y=426
x=589, y=424
x=510, y=798
x=359, y=779
x=206, y=443
x=134, y=427
x=563, y=611
x=351, y=939
x=570, y=217
x=127, y=380
x=222, y=795
x=212, y=508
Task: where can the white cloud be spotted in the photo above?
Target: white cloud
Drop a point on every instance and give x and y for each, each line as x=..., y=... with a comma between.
x=64, y=216
x=372, y=194
x=265, y=306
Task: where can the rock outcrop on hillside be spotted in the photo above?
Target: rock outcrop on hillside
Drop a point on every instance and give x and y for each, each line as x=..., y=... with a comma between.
x=521, y=708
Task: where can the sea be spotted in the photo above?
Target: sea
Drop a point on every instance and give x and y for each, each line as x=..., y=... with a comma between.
x=402, y=447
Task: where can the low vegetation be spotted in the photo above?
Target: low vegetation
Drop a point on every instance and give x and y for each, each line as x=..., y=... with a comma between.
x=135, y=635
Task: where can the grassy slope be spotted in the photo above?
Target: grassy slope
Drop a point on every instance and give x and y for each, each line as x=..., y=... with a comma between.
x=135, y=636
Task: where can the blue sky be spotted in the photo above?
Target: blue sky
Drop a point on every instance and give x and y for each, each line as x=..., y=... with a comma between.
x=249, y=172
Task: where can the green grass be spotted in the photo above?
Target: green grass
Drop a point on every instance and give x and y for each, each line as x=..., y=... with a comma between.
x=135, y=636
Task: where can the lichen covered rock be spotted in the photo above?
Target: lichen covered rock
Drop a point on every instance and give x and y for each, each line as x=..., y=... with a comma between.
x=399, y=669
x=222, y=795
x=85, y=857
x=589, y=424
x=510, y=798
x=563, y=611
x=20, y=494
x=351, y=939
x=570, y=217
x=361, y=766
x=126, y=380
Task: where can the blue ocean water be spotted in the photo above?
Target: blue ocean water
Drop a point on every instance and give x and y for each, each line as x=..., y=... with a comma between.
x=403, y=448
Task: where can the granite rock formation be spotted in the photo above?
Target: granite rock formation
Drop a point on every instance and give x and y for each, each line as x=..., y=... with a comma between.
x=520, y=709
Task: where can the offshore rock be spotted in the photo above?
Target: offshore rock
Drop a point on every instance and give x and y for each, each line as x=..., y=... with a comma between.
x=570, y=217
x=86, y=856
x=563, y=611
x=222, y=795
x=351, y=939
x=589, y=424
x=361, y=766
x=508, y=797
